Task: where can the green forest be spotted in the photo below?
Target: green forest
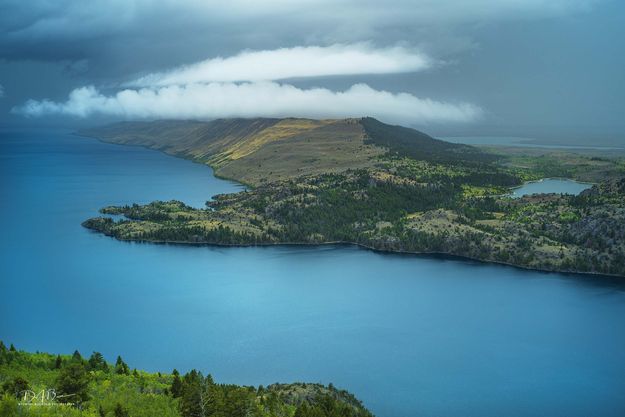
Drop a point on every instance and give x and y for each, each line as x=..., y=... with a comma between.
x=396, y=212
x=43, y=384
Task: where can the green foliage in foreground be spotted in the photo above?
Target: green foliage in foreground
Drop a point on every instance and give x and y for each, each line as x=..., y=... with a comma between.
x=41, y=384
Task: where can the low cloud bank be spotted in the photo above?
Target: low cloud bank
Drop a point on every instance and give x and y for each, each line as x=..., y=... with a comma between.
x=252, y=99
x=245, y=85
x=311, y=61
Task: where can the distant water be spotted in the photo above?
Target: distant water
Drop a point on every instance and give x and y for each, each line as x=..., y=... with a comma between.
x=410, y=336
x=551, y=185
x=520, y=142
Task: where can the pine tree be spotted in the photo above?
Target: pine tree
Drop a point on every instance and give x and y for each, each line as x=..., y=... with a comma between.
x=191, y=404
x=72, y=383
x=3, y=353
x=120, y=367
x=58, y=362
x=97, y=362
x=176, y=385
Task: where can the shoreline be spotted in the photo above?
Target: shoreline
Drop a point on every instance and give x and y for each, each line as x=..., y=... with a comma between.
x=195, y=161
x=431, y=254
x=548, y=178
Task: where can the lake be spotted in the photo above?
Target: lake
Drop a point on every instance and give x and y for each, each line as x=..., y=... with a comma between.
x=409, y=335
x=551, y=185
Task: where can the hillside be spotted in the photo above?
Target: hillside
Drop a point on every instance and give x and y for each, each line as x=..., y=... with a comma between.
x=403, y=141
x=41, y=384
x=256, y=151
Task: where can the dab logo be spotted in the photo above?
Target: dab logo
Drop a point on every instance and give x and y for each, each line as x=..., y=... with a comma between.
x=45, y=397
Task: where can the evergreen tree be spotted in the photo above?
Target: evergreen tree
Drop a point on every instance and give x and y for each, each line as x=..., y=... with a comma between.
x=191, y=404
x=77, y=357
x=72, y=383
x=239, y=402
x=176, y=385
x=12, y=348
x=3, y=353
x=120, y=367
x=58, y=362
x=97, y=362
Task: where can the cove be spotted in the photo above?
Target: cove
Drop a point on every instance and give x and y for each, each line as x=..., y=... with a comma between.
x=408, y=335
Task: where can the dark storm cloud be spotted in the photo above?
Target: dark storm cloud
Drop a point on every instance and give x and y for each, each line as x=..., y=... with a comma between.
x=523, y=62
x=170, y=32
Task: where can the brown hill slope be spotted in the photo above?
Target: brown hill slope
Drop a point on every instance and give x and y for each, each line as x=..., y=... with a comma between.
x=261, y=150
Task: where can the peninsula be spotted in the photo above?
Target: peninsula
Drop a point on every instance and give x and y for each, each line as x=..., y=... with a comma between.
x=388, y=188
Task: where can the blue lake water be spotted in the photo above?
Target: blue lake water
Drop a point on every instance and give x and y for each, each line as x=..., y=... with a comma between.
x=409, y=335
x=551, y=185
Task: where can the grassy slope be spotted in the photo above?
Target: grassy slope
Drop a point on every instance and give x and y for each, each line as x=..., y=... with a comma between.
x=255, y=151
x=241, y=149
x=331, y=147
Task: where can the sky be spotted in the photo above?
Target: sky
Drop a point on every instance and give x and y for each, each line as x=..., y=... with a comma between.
x=530, y=68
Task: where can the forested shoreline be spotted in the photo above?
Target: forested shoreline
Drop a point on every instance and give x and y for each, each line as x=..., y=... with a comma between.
x=582, y=234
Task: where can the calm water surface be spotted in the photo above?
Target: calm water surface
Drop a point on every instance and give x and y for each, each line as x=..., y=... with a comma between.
x=410, y=336
x=522, y=143
x=551, y=185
